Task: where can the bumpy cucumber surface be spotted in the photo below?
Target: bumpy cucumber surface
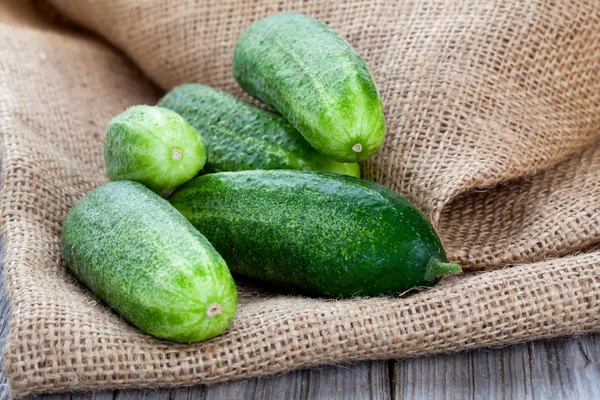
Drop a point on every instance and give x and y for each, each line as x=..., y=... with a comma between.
x=143, y=258
x=240, y=136
x=316, y=80
x=154, y=146
x=319, y=233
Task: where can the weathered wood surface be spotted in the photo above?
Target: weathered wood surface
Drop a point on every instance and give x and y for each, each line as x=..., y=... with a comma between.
x=560, y=369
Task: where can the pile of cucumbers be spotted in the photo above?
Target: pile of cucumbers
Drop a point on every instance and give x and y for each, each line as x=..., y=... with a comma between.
x=274, y=197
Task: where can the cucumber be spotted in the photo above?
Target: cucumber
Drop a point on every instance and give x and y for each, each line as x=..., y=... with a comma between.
x=240, y=136
x=154, y=146
x=141, y=257
x=316, y=80
x=317, y=233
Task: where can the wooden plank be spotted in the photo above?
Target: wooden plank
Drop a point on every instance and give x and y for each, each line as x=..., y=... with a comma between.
x=104, y=395
x=560, y=369
x=366, y=380
x=63, y=396
x=135, y=394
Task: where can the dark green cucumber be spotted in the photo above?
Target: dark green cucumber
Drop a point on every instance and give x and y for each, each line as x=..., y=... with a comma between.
x=140, y=256
x=240, y=136
x=154, y=146
x=320, y=233
x=316, y=80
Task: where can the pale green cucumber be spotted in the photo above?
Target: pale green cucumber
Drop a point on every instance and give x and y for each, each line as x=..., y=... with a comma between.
x=154, y=146
x=316, y=80
x=145, y=260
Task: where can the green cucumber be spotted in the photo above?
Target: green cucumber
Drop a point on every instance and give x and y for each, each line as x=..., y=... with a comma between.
x=318, y=233
x=141, y=257
x=240, y=136
x=316, y=80
x=154, y=146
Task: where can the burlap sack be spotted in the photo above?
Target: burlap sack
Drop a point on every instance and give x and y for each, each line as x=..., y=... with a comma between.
x=476, y=94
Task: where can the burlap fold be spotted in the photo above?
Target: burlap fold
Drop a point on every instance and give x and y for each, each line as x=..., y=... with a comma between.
x=493, y=112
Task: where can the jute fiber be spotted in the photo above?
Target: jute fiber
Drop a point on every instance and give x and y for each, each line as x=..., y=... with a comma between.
x=493, y=113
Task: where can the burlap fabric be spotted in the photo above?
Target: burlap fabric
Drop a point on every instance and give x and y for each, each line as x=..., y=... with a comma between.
x=493, y=111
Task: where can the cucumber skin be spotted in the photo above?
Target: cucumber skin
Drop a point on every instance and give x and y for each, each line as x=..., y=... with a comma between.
x=318, y=233
x=139, y=143
x=141, y=257
x=240, y=136
x=316, y=80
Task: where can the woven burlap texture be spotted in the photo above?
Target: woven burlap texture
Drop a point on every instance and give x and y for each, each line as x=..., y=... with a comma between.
x=493, y=113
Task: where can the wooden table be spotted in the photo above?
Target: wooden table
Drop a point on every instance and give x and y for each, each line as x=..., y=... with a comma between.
x=559, y=369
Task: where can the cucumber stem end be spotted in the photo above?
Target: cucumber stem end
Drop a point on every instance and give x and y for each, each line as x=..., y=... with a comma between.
x=437, y=269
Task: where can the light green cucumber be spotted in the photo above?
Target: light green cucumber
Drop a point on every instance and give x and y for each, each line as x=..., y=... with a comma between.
x=316, y=80
x=139, y=255
x=154, y=146
x=240, y=136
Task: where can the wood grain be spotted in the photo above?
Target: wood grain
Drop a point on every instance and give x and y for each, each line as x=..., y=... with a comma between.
x=367, y=380
x=560, y=369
